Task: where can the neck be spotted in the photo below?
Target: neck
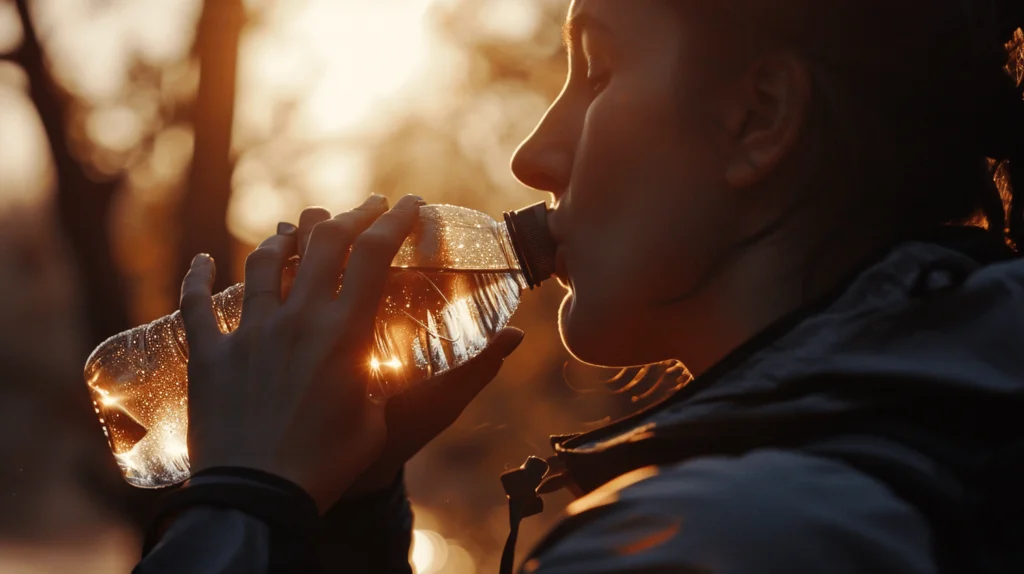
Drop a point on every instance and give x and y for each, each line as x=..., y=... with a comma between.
x=762, y=284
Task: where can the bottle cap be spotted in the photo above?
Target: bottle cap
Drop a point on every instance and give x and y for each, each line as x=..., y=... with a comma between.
x=531, y=238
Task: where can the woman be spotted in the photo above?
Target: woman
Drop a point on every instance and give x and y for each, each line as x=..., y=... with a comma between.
x=795, y=199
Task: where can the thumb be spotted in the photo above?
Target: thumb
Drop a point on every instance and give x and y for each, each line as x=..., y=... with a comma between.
x=453, y=390
x=504, y=344
x=463, y=383
x=416, y=416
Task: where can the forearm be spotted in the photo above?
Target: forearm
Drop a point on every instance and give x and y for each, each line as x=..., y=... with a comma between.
x=235, y=521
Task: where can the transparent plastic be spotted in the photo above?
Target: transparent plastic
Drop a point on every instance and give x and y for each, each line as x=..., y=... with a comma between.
x=454, y=285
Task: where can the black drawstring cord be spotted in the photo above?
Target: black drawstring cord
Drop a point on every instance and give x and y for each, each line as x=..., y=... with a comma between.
x=521, y=487
x=508, y=555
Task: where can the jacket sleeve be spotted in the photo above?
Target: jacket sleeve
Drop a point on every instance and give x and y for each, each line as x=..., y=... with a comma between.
x=371, y=534
x=765, y=512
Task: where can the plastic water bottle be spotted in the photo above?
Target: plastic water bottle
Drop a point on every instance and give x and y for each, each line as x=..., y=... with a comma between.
x=453, y=286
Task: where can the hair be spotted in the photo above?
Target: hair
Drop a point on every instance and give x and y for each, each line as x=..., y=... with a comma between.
x=919, y=109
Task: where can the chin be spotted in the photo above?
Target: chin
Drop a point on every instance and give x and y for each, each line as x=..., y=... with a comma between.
x=594, y=337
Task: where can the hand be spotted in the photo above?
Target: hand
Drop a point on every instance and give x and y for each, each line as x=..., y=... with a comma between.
x=286, y=393
x=421, y=413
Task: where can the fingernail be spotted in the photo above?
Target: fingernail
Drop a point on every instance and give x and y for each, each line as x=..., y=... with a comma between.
x=410, y=202
x=285, y=228
x=375, y=200
x=200, y=259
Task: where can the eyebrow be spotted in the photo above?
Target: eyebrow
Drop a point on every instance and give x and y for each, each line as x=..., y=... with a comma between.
x=574, y=27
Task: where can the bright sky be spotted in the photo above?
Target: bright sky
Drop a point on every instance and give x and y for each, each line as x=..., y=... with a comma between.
x=342, y=68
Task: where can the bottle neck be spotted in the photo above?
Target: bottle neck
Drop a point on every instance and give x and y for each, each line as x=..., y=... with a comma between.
x=532, y=243
x=508, y=248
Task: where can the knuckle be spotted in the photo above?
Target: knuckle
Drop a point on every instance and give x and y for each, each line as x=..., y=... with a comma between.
x=280, y=327
x=251, y=295
x=351, y=219
x=265, y=254
x=239, y=346
x=376, y=242
x=334, y=230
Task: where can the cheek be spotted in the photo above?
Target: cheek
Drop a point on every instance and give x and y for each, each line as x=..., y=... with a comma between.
x=646, y=218
x=646, y=175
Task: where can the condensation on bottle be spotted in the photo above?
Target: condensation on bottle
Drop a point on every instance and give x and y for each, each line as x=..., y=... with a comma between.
x=454, y=284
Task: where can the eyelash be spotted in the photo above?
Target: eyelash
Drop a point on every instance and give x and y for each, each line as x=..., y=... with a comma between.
x=597, y=82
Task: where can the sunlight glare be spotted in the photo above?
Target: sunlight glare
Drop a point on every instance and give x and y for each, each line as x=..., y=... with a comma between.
x=367, y=49
x=258, y=207
x=515, y=21
x=10, y=27
x=393, y=364
x=429, y=551
x=26, y=167
x=459, y=561
x=117, y=128
x=334, y=178
x=325, y=73
x=93, y=46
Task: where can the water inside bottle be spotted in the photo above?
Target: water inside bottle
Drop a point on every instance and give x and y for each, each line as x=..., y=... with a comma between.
x=429, y=321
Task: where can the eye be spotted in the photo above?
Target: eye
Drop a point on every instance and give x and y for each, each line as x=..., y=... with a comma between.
x=597, y=79
x=598, y=69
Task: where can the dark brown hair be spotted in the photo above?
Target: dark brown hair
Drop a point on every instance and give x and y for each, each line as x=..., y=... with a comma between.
x=918, y=104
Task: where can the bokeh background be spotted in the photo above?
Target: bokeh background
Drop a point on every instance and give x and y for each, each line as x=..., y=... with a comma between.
x=136, y=133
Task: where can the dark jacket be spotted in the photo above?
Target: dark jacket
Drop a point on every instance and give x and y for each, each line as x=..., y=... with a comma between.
x=716, y=478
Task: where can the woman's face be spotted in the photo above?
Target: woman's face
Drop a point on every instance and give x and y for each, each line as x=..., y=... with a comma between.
x=629, y=151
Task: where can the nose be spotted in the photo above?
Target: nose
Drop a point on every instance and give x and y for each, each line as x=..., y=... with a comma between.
x=544, y=160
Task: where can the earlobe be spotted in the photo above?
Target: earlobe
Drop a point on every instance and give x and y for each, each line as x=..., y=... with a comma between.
x=775, y=97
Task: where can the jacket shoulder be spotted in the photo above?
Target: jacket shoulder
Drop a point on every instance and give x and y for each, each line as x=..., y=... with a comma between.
x=769, y=510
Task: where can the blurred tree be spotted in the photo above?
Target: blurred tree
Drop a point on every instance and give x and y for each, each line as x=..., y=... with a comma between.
x=65, y=435
x=203, y=210
x=83, y=202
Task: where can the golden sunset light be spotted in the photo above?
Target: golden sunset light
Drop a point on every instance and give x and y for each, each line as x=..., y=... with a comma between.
x=330, y=100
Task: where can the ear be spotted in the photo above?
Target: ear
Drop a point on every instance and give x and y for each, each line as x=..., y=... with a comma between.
x=768, y=116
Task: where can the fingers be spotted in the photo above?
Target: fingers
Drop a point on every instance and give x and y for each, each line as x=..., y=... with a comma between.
x=370, y=262
x=309, y=219
x=464, y=383
x=328, y=248
x=197, y=302
x=263, y=268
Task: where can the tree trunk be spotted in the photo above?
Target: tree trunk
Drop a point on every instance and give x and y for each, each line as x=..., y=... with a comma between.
x=83, y=209
x=83, y=205
x=203, y=212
